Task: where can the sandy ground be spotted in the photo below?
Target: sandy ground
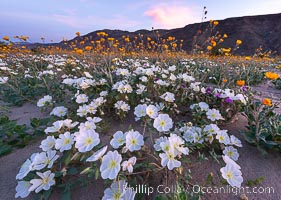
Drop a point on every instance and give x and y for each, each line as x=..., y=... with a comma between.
x=253, y=163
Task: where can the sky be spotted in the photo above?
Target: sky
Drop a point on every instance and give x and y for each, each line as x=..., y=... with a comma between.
x=58, y=19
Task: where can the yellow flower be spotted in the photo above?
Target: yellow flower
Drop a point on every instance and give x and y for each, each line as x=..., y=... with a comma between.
x=238, y=42
x=272, y=75
x=24, y=38
x=215, y=23
x=225, y=35
x=248, y=58
x=88, y=48
x=214, y=43
x=209, y=48
x=79, y=51
x=224, y=80
x=266, y=102
x=6, y=38
x=240, y=83
x=78, y=34
x=226, y=50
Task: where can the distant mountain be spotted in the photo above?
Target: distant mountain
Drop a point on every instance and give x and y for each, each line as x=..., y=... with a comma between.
x=254, y=31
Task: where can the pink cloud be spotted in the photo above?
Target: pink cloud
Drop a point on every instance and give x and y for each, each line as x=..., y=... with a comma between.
x=171, y=15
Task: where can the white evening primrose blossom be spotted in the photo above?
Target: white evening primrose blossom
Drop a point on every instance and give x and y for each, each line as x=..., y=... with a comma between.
x=177, y=143
x=26, y=167
x=232, y=175
x=86, y=141
x=57, y=125
x=214, y=115
x=118, y=191
x=163, y=123
x=48, y=143
x=44, y=159
x=231, y=152
x=44, y=183
x=140, y=110
x=168, y=96
x=223, y=137
x=43, y=101
x=211, y=129
x=134, y=140
x=22, y=189
x=122, y=105
x=82, y=110
x=168, y=159
x=97, y=155
x=129, y=164
x=64, y=142
x=140, y=88
x=59, y=111
x=235, y=141
x=110, y=165
x=152, y=111
x=117, y=140
x=158, y=141
x=81, y=98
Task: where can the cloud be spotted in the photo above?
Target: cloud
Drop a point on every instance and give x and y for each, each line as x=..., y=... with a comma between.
x=171, y=15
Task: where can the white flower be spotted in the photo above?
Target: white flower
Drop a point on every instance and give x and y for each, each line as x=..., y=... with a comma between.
x=46, y=181
x=97, y=155
x=3, y=80
x=232, y=175
x=141, y=88
x=211, y=129
x=110, y=165
x=117, y=140
x=44, y=159
x=134, y=140
x=81, y=98
x=213, y=114
x=168, y=159
x=235, y=141
x=229, y=161
x=176, y=143
x=85, y=141
x=121, y=105
x=57, y=125
x=48, y=143
x=168, y=96
x=158, y=141
x=140, y=110
x=68, y=123
x=118, y=191
x=59, y=111
x=163, y=123
x=231, y=152
x=187, y=78
x=64, y=142
x=103, y=93
x=83, y=110
x=128, y=165
x=223, y=137
x=203, y=106
x=22, y=189
x=152, y=111
x=26, y=167
x=42, y=102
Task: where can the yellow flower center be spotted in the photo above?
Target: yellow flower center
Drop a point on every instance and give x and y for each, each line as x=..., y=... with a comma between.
x=45, y=180
x=133, y=142
x=66, y=141
x=229, y=175
x=112, y=164
x=162, y=123
x=88, y=141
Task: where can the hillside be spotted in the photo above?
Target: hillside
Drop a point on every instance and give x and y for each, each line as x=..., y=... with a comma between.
x=254, y=31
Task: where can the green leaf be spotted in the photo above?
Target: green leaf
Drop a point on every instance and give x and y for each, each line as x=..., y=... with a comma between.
x=5, y=150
